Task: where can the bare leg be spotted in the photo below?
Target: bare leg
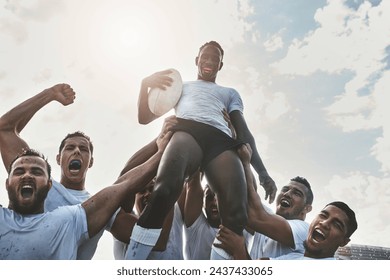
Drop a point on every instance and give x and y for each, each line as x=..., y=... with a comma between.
x=181, y=158
x=226, y=177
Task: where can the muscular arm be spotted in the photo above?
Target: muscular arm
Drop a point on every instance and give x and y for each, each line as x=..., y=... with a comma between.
x=158, y=79
x=100, y=207
x=12, y=122
x=271, y=225
x=194, y=199
x=246, y=136
x=150, y=149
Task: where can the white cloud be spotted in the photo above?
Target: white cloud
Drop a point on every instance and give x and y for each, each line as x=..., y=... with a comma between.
x=345, y=40
x=36, y=10
x=368, y=196
x=16, y=29
x=350, y=40
x=274, y=43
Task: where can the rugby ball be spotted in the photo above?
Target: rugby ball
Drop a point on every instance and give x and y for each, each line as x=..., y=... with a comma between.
x=161, y=101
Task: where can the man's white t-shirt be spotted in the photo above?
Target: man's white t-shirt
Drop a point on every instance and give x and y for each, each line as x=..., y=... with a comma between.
x=204, y=102
x=52, y=235
x=61, y=196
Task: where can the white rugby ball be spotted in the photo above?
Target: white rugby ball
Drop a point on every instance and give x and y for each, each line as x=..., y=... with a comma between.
x=161, y=101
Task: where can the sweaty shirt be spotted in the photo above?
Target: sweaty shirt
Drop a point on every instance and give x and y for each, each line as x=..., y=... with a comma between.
x=52, y=235
x=61, y=196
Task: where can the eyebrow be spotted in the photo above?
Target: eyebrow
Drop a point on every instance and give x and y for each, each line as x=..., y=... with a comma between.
x=345, y=226
x=293, y=188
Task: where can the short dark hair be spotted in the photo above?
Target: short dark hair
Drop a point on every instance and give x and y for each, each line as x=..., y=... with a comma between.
x=31, y=152
x=212, y=43
x=352, y=223
x=303, y=181
x=76, y=134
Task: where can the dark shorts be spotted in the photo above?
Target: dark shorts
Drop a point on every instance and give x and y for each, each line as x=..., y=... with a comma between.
x=211, y=140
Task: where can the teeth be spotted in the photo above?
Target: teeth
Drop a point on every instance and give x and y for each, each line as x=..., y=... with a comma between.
x=320, y=232
x=75, y=165
x=318, y=235
x=285, y=203
x=27, y=191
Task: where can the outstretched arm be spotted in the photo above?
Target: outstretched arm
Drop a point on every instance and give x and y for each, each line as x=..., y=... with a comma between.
x=12, y=122
x=159, y=80
x=100, y=207
x=246, y=136
x=194, y=199
x=150, y=149
x=271, y=225
x=144, y=154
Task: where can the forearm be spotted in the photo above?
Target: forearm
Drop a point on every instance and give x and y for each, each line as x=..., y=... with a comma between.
x=102, y=206
x=145, y=116
x=12, y=123
x=256, y=161
x=140, y=156
x=242, y=254
x=17, y=118
x=193, y=203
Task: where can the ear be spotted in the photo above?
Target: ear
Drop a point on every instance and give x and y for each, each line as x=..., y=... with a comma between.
x=6, y=184
x=308, y=208
x=346, y=241
x=58, y=158
x=196, y=60
x=220, y=67
x=50, y=183
x=90, y=163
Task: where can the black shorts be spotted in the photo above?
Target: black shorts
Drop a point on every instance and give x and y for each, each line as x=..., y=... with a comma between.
x=211, y=140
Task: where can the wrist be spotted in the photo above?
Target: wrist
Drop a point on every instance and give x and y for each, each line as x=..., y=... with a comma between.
x=263, y=176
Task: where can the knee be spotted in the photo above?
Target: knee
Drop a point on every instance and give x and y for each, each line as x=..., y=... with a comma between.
x=236, y=219
x=166, y=190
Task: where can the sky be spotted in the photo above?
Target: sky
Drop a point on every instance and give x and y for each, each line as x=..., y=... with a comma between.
x=312, y=75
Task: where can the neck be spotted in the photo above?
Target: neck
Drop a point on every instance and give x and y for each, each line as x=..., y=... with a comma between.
x=210, y=81
x=69, y=184
x=317, y=256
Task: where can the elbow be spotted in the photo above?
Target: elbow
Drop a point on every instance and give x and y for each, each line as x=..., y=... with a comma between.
x=142, y=120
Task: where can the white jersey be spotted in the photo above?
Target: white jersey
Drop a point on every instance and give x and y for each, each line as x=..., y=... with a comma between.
x=174, y=247
x=199, y=238
x=52, y=235
x=203, y=102
x=273, y=249
x=255, y=251
x=61, y=196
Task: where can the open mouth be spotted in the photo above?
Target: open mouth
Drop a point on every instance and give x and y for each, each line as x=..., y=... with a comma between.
x=214, y=210
x=285, y=203
x=318, y=235
x=27, y=191
x=207, y=70
x=75, y=165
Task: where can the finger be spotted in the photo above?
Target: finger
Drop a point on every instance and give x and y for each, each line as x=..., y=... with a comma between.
x=272, y=197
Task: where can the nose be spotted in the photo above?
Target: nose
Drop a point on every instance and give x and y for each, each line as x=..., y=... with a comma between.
x=27, y=175
x=288, y=193
x=325, y=223
x=76, y=151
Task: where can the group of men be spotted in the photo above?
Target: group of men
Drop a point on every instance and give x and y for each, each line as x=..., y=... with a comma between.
x=157, y=208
